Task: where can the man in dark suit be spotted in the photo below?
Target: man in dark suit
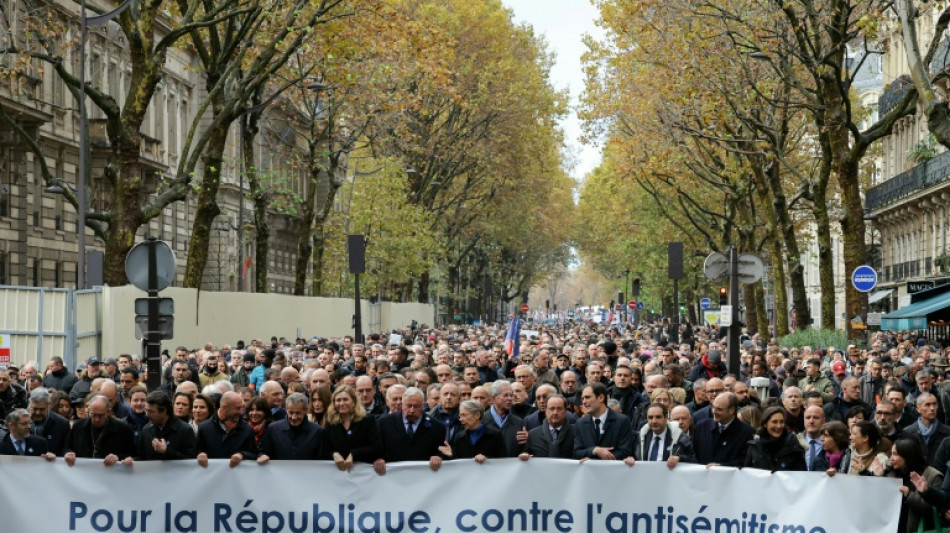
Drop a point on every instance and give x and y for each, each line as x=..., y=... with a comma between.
x=45, y=423
x=555, y=436
x=19, y=441
x=100, y=436
x=541, y=396
x=294, y=438
x=165, y=437
x=500, y=418
x=722, y=439
x=936, y=432
x=602, y=433
x=410, y=436
x=659, y=440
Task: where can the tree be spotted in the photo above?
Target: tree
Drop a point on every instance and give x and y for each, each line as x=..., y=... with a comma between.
x=133, y=193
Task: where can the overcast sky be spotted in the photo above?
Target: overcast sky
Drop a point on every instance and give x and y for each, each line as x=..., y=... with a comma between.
x=563, y=23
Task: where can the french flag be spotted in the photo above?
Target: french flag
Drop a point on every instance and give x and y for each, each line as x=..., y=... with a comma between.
x=512, y=347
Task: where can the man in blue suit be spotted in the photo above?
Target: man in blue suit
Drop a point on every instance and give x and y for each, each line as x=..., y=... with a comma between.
x=722, y=439
x=602, y=433
x=19, y=441
x=409, y=435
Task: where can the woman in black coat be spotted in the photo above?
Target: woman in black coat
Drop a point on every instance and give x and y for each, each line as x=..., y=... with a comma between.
x=350, y=435
x=774, y=447
x=476, y=440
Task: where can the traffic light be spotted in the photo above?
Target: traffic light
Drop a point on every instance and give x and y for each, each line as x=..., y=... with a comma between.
x=723, y=296
x=636, y=288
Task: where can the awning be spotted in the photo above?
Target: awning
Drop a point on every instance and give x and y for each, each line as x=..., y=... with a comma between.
x=914, y=316
x=878, y=296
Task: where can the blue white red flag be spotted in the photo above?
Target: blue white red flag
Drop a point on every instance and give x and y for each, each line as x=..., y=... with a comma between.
x=512, y=346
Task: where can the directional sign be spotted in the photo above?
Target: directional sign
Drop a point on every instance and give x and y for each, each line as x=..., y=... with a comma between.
x=632, y=304
x=705, y=303
x=524, y=308
x=864, y=278
x=725, y=316
x=639, y=305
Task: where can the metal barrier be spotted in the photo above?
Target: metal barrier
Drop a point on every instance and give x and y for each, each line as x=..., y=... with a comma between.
x=37, y=323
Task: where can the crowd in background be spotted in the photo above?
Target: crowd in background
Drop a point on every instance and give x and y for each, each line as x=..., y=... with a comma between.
x=572, y=390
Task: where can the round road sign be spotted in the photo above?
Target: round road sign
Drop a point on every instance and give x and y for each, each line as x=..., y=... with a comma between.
x=524, y=308
x=864, y=278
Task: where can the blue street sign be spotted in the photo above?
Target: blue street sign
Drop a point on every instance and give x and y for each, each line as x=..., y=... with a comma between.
x=639, y=305
x=705, y=303
x=864, y=278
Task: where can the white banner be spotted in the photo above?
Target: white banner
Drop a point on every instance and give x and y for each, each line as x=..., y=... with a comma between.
x=542, y=495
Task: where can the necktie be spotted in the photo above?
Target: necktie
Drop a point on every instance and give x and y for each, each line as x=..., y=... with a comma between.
x=597, y=429
x=20, y=447
x=409, y=430
x=722, y=429
x=554, y=433
x=812, y=452
x=655, y=449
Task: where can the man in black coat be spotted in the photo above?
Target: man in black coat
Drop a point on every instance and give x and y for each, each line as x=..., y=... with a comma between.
x=659, y=440
x=499, y=417
x=602, y=433
x=58, y=376
x=722, y=439
x=100, y=436
x=47, y=424
x=12, y=396
x=165, y=437
x=294, y=438
x=555, y=436
x=19, y=441
x=410, y=436
x=226, y=435
x=930, y=432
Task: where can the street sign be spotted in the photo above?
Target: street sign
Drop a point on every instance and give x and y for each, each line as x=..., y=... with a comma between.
x=913, y=287
x=864, y=278
x=618, y=307
x=632, y=304
x=4, y=350
x=725, y=316
x=750, y=268
x=166, y=327
x=705, y=303
x=639, y=305
x=524, y=308
x=716, y=266
x=166, y=306
x=137, y=265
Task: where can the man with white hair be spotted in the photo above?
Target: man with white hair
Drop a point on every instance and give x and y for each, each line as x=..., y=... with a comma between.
x=408, y=435
x=274, y=393
x=46, y=424
x=500, y=418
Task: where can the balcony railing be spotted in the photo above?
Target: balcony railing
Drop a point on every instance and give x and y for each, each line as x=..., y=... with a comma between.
x=922, y=176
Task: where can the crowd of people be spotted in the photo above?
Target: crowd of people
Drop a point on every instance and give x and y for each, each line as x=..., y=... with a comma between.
x=573, y=391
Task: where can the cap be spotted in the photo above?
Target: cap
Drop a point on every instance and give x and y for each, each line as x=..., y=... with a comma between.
x=92, y=361
x=110, y=361
x=562, y=356
x=248, y=358
x=838, y=368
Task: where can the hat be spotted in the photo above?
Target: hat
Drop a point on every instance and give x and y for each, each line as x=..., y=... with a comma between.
x=562, y=356
x=939, y=361
x=838, y=368
x=92, y=361
x=77, y=401
x=248, y=358
x=110, y=361
x=714, y=357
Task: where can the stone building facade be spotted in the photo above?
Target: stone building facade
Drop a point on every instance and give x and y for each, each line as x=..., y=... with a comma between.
x=38, y=229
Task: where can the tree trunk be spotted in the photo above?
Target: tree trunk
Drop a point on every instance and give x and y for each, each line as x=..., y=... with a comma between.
x=751, y=309
x=259, y=198
x=826, y=266
x=779, y=283
x=207, y=209
x=796, y=274
x=319, y=247
x=423, y=294
x=761, y=311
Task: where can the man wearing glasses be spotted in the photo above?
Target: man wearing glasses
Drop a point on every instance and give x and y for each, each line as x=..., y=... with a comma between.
x=885, y=416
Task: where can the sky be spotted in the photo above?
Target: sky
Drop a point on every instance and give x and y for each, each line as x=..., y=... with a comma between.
x=563, y=23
